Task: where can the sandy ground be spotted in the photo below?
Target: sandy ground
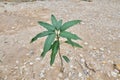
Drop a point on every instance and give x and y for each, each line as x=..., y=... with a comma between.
x=100, y=31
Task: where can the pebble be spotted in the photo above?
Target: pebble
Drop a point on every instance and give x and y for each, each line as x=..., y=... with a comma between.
x=101, y=49
x=17, y=62
x=31, y=63
x=71, y=66
x=79, y=74
x=86, y=72
x=31, y=52
x=86, y=43
x=60, y=75
x=13, y=27
x=69, y=74
x=81, y=55
x=82, y=23
x=41, y=75
x=66, y=79
x=82, y=60
x=37, y=59
x=94, y=48
x=116, y=71
x=114, y=74
x=109, y=51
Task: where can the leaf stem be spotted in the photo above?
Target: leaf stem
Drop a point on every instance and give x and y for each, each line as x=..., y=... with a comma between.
x=61, y=69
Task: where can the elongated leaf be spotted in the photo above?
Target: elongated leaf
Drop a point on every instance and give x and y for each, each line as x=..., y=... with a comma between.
x=73, y=43
x=55, y=48
x=69, y=35
x=54, y=20
x=66, y=59
x=69, y=24
x=59, y=24
x=46, y=25
x=42, y=34
x=48, y=43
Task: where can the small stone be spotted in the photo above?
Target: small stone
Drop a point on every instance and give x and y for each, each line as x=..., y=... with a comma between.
x=41, y=75
x=60, y=75
x=31, y=52
x=71, y=66
x=69, y=74
x=114, y=74
x=37, y=59
x=85, y=43
x=43, y=71
x=115, y=70
x=104, y=62
x=109, y=51
x=86, y=72
x=17, y=62
x=81, y=55
x=13, y=27
x=31, y=63
x=101, y=49
x=82, y=23
x=79, y=74
x=94, y=48
x=82, y=60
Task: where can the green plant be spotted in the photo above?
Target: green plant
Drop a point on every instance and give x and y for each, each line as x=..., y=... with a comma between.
x=54, y=32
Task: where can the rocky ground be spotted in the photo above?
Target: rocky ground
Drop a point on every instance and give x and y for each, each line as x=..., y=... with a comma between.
x=99, y=59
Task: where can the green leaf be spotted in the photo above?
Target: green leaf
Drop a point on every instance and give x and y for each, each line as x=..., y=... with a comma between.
x=69, y=35
x=66, y=59
x=73, y=43
x=42, y=34
x=69, y=24
x=48, y=42
x=54, y=20
x=48, y=26
x=55, y=48
x=59, y=24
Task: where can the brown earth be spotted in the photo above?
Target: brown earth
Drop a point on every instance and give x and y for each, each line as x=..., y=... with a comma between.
x=99, y=30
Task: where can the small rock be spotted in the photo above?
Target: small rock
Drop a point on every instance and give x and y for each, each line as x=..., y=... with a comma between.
x=82, y=23
x=115, y=70
x=101, y=49
x=85, y=43
x=104, y=62
x=13, y=27
x=69, y=74
x=114, y=74
x=31, y=52
x=71, y=66
x=94, y=48
x=37, y=59
x=81, y=55
x=79, y=74
x=43, y=71
x=41, y=75
x=31, y=63
x=60, y=75
x=17, y=62
x=86, y=72
x=82, y=60
x=109, y=51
